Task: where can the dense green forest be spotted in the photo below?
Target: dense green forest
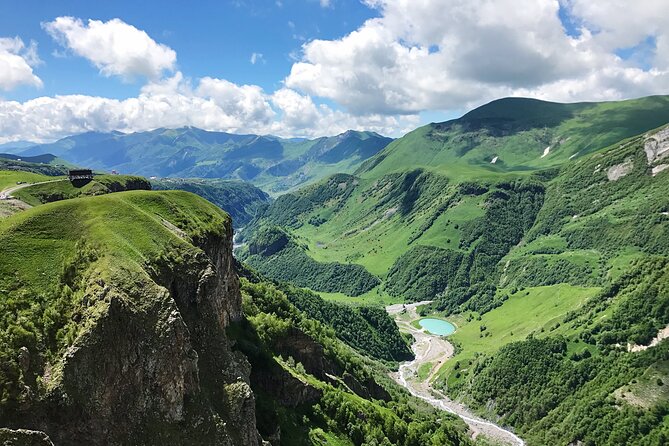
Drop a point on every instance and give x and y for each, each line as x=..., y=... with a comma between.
x=423, y=272
x=336, y=413
x=368, y=329
x=288, y=208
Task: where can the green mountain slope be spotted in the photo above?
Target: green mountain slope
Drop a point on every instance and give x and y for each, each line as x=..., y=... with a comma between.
x=553, y=269
x=46, y=158
x=468, y=214
x=273, y=163
x=45, y=165
x=519, y=135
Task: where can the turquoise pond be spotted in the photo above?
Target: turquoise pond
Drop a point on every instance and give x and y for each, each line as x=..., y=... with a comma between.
x=437, y=326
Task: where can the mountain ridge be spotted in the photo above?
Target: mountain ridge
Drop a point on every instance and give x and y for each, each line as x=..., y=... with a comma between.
x=517, y=136
x=274, y=163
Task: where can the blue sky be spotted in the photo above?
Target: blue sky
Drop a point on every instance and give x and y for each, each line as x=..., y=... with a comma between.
x=313, y=67
x=216, y=38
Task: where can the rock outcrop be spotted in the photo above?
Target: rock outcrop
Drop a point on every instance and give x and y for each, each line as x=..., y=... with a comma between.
x=657, y=146
x=614, y=173
x=24, y=437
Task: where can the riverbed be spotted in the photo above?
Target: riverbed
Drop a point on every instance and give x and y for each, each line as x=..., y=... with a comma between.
x=436, y=350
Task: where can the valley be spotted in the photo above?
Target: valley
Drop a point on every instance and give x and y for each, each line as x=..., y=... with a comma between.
x=334, y=223
x=433, y=351
x=553, y=272
x=543, y=269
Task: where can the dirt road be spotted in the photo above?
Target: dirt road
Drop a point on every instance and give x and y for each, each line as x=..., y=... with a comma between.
x=436, y=350
x=6, y=194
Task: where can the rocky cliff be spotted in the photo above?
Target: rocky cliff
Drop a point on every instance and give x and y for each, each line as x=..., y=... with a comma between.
x=151, y=363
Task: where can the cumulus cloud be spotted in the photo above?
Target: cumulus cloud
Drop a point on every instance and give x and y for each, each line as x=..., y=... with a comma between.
x=16, y=63
x=298, y=114
x=620, y=24
x=449, y=54
x=117, y=48
x=114, y=47
x=247, y=103
x=416, y=56
x=212, y=104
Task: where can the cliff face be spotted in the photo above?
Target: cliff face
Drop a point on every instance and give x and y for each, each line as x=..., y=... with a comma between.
x=155, y=366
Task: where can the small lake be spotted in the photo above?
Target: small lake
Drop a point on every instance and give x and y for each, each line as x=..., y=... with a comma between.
x=437, y=326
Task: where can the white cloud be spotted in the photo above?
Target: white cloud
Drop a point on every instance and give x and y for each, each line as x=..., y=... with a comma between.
x=257, y=58
x=298, y=112
x=214, y=104
x=325, y=3
x=300, y=115
x=114, y=47
x=16, y=64
x=248, y=103
x=621, y=24
x=450, y=54
x=418, y=55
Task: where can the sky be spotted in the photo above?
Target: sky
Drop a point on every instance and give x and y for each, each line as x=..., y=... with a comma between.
x=313, y=67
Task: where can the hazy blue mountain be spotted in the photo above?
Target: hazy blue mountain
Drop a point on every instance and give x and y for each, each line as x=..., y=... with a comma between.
x=15, y=146
x=274, y=163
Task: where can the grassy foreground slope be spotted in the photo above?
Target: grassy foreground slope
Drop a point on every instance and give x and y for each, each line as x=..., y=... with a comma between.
x=240, y=199
x=46, y=249
x=80, y=291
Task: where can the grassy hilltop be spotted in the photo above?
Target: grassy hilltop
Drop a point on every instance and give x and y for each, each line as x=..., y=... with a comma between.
x=65, y=189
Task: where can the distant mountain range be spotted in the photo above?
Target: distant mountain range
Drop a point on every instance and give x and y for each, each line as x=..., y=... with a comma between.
x=15, y=146
x=276, y=164
x=46, y=158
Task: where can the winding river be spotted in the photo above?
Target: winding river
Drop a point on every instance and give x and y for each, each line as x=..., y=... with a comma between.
x=435, y=350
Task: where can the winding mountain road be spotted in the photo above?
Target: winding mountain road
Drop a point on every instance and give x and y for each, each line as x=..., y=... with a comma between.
x=6, y=193
x=435, y=350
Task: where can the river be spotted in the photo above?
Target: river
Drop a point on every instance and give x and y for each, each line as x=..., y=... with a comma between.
x=436, y=350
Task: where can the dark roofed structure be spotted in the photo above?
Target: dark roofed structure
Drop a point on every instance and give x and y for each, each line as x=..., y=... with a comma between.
x=80, y=174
